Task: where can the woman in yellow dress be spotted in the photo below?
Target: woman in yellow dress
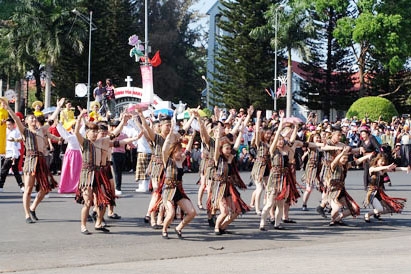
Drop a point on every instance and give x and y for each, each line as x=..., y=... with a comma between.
x=3, y=117
x=94, y=115
x=37, y=105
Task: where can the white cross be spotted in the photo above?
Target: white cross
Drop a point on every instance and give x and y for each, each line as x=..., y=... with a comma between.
x=128, y=80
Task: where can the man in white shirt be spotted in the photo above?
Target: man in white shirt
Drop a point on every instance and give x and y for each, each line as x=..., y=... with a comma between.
x=11, y=160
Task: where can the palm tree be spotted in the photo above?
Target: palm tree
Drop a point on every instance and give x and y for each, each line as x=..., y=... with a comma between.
x=41, y=28
x=294, y=28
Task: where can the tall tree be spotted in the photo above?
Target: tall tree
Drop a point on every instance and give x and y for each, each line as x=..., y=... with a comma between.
x=378, y=34
x=328, y=72
x=296, y=28
x=45, y=26
x=244, y=65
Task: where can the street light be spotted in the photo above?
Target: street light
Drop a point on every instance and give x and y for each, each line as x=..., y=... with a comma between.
x=275, y=59
x=208, y=92
x=91, y=28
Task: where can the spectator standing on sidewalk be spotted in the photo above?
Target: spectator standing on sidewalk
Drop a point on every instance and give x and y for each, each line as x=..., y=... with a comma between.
x=12, y=157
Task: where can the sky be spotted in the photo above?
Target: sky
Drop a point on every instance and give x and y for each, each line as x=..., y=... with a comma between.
x=202, y=6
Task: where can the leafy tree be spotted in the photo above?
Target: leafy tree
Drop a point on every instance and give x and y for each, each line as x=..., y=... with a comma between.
x=377, y=32
x=179, y=75
x=296, y=28
x=244, y=65
x=45, y=27
x=328, y=73
x=7, y=65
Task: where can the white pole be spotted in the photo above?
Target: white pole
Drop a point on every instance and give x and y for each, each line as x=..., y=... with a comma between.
x=275, y=61
x=89, y=61
x=145, y=32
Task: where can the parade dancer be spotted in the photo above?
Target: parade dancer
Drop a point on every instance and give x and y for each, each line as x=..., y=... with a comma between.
x=290, y=146
x=368, y=145
x=208, y=135
x=173, y=194
x=225, y=197
x=376, y=196
x=36, y=172
x=94, y=182
x=332, y=146
x=342, y=204
x=312, y=170
x=277, y=190
x=261, y=167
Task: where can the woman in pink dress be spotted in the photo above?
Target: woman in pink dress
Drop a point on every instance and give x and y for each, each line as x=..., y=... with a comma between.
x=72, y=161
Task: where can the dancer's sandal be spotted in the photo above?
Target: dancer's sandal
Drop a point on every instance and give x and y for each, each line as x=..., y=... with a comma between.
x=367, y=218
x=378, y=217
x=85, y=231
x=102, y=229
x=179, y=234
x=164, y=235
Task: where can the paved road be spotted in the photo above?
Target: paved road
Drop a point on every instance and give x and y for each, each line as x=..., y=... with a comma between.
x=55, y=245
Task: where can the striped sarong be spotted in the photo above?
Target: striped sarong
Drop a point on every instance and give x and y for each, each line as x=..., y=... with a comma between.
x=143, y=160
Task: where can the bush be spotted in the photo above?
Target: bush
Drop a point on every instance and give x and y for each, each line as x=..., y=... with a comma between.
x=372, y=107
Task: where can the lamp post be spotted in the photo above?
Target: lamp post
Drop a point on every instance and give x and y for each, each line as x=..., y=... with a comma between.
x=275, y=57
x=92, y=27
x=208, y=92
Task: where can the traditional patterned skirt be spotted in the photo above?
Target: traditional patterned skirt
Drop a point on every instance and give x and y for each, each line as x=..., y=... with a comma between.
x=143, y=161
x=291, y=179
x=339, y=195
x=277, y=183
x=390, y=204
x=36, y=165
x=102, y=188
x=259, y=170
x=220, y=191
x=173, y=192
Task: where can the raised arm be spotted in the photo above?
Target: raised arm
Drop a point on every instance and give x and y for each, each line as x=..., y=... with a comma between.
x=217, y=145
x=334, y=163
x=55, y=114
x=257, y=134
x=238, y=139
x=13, y=115
x=205, y=137
x=277, y=133
x=187, y=124
x=294, y=133
x=191, y=141
x=149, y=132
x=80, y=138
x=170, y=139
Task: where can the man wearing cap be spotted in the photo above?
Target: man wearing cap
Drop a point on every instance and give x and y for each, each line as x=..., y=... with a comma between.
x=196, y=156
